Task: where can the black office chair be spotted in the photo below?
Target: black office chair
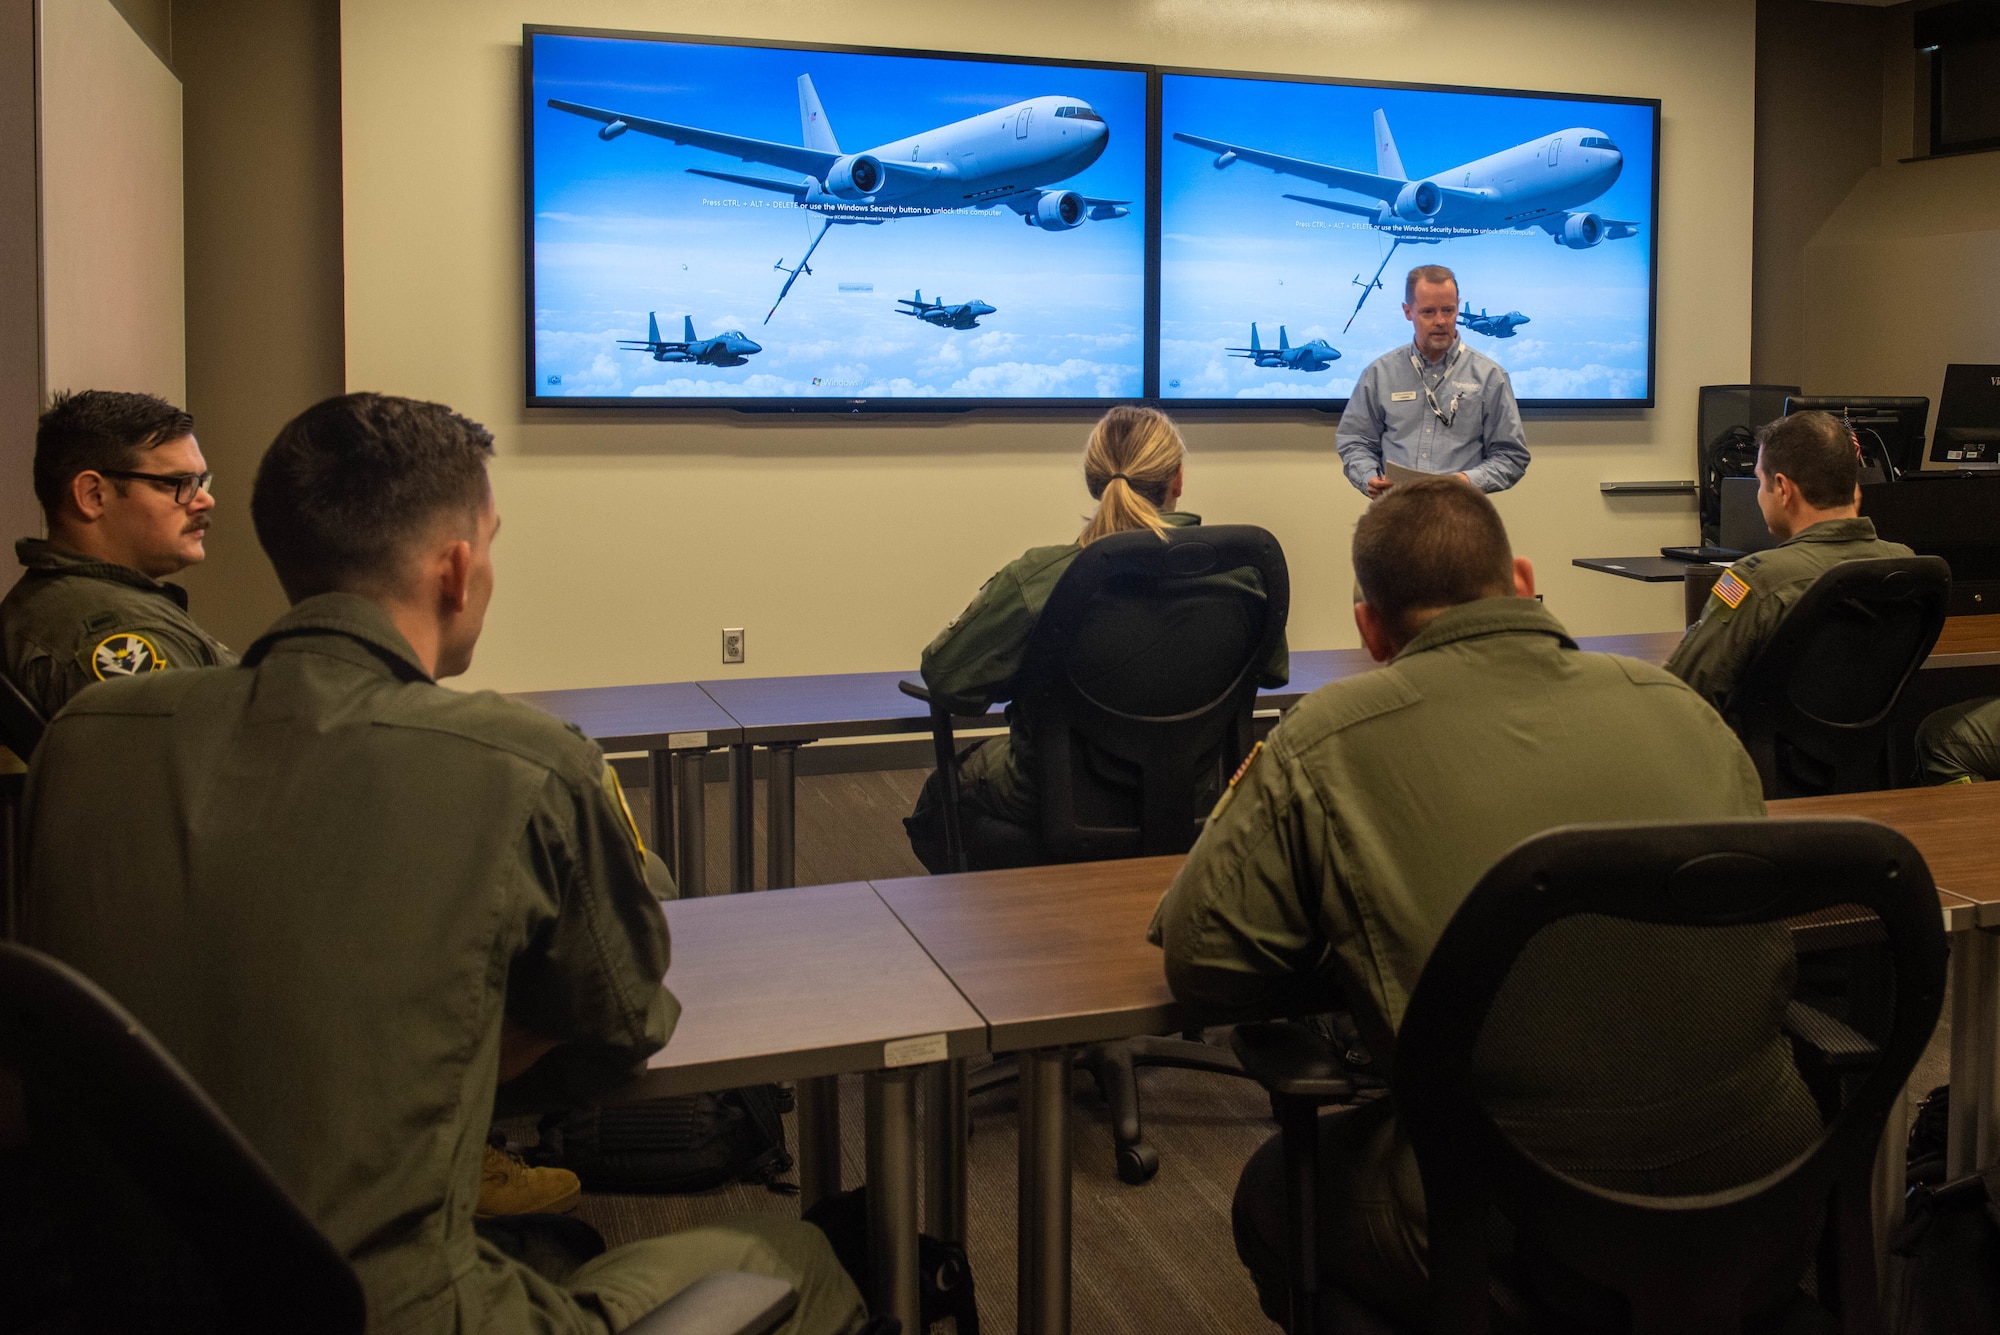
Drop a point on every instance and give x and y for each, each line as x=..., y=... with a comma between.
x=21, y=724
x=133, y=1204
x=1691, y=1263
x=1813, y=706
x=1136, y=692
x=20, y=732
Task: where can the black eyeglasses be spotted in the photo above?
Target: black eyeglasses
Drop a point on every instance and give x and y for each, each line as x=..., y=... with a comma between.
x=185, y=485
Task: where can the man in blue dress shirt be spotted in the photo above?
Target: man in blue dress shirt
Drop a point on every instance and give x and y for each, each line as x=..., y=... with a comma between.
x=1434, y=404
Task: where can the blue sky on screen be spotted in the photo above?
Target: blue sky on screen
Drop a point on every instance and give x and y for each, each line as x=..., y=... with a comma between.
x=1233, y=249
x=621, y=229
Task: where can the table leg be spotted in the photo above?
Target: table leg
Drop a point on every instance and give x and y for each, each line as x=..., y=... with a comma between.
x=742, y=818
x=692, y=869
x=1975, y=972
x=946, y=1124
x=890, y=1103
x=819, y=1139
x=660, y=770
x=781, y=815
x=1042, y=1282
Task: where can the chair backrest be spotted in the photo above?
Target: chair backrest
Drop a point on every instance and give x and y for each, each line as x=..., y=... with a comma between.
x=1813, y=706
x=21, y=724
x=1686, y=1263
x=147, y=1210
x=1140, y=678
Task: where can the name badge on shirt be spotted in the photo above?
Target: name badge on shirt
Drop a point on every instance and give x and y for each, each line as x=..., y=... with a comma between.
x=1403, y=396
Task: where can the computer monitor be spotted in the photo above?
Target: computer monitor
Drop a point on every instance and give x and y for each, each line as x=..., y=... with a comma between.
x=1968, y=420
x=1891, y=430
x=1743, y=527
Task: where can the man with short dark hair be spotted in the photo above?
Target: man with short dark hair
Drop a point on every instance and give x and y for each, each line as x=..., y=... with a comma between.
x=1326, y=874
x=1432, y=405
x=1809, y=490
x=351, y=901
x=125, y=493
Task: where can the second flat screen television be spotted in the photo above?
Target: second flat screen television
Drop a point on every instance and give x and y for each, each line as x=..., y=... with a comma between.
x=1290, y=212
x=733, y=223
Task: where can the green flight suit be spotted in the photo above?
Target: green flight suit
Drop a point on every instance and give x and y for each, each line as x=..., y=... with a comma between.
x=1719, y=646
x=975, y=659
x=1328, y=871
x=1961, y=743
x=73, y=620
x=326, y=882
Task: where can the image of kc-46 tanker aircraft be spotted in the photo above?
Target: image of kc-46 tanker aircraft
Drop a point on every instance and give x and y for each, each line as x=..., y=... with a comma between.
x=1317, y=355
x=1011, y=156
x=946, y=315
x=730, y=348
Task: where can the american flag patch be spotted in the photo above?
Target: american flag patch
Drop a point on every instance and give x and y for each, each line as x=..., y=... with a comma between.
x=1731, y=589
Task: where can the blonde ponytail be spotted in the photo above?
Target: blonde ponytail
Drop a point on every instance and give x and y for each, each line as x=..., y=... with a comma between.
x=1129, y=465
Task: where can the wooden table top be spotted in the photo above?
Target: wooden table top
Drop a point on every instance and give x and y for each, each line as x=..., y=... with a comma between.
x=1967, y=642
x=671, y=715
x=791, y=984
x=1956, y=828
x=1049, y=955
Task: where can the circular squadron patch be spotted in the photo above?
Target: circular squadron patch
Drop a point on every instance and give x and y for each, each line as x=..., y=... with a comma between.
x=125, y=655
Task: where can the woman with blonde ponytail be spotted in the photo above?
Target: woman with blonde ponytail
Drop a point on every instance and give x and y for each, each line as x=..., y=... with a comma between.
x=1134, y=466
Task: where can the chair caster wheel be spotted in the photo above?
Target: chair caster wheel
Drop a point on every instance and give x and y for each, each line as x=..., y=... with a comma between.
x=1137, y=1163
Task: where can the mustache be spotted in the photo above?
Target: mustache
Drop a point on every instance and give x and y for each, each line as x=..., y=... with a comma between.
x=198, y=524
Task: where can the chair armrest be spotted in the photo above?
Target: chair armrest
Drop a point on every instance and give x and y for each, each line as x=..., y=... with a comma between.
x=1293, y=1062
x=916, y=690
x=1833, y=1042
x=729, y=1302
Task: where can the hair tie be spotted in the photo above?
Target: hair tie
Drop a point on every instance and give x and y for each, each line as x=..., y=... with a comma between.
x=1117, y=477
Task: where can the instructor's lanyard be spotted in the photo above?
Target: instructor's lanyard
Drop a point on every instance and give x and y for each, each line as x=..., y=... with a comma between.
x=1444, y=415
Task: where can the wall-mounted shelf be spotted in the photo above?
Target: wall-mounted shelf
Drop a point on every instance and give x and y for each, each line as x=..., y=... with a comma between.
x=1683, y=487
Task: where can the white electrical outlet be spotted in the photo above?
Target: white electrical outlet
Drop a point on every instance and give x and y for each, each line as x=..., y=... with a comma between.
x=732, y=644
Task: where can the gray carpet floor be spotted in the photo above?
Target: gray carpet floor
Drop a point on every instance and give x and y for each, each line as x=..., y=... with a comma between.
x=1155, y=1259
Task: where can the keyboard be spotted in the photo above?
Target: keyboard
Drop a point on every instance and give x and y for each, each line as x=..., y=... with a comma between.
x=1700, y=553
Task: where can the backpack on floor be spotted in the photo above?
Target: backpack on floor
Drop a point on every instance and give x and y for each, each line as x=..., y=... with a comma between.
x=944, y=1276
x=655, y=1147
x=1949, y=1252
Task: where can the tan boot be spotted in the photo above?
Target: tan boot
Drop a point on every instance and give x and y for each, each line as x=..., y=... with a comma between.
x=507, y=1185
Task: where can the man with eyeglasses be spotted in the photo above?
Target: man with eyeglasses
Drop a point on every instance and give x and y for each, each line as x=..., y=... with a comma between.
x=125, y=492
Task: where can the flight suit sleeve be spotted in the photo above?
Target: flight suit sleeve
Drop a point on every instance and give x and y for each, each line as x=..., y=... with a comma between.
x=1506, y=445
x=1713, y=654
x=1240, y=924
x=974, y=660
x=1359, y=435
x=1961, y=743
x=590, y=977
x=127, y=650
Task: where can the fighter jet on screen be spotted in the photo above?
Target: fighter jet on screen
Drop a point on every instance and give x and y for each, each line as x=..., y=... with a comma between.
x=1317, y=355
x=1008, y=156
x=725, y=349
x=1536, y=184
x=956, y=315
x=1493, y=326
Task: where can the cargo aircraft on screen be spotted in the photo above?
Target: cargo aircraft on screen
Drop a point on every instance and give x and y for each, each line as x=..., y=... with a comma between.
x=946, y=315
x=725, y=349
x=1308, y=357
x=1536, y=184
x=1008, y=156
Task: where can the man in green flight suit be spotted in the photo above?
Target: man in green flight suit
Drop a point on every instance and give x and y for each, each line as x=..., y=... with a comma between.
x=1809, y=489
x=124, y=488
x=1349, y=839
x=351, y=902
x=1961, y=743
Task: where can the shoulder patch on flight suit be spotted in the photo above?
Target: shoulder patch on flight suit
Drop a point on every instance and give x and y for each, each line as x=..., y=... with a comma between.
x=1730, y=590
x=125, y=655
x=1222, y=803
x=616, y=792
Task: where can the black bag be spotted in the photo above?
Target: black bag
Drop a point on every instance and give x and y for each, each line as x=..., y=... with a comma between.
x=656, y=1147
x=1950, y=1244
x=944, y=1276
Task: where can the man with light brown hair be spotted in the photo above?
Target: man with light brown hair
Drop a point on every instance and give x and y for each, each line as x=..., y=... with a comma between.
x=1432, y=405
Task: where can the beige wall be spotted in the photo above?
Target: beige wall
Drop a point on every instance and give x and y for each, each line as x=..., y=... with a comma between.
x=632, y=540
x=20, y=277
x=113, y=304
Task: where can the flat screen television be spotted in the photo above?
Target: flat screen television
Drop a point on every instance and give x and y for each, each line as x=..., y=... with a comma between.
x=734, y=224
x=1291, y=209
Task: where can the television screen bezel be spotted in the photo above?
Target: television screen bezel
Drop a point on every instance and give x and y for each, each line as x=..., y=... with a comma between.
x=1149, y=271
x=1331, y=404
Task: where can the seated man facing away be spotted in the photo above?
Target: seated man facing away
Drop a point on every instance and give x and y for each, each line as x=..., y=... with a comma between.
x=1809, y=489
x=1134, y=466
x=351, y=901
x=1961, y=743
x=1328, y=871
x=124, y=489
